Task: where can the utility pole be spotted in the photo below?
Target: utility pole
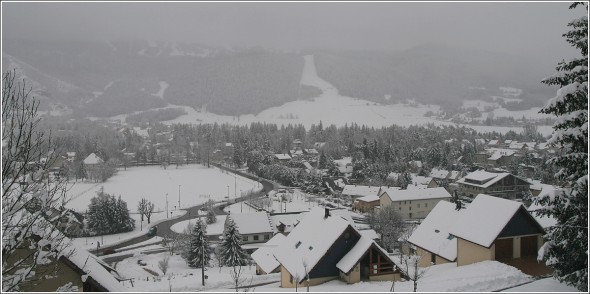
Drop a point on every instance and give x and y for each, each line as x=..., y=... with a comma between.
x=203, y=262
x=178, y=196
x=166, y=205
x=227, y=193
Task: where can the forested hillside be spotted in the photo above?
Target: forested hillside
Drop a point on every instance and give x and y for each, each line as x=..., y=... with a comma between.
x=433, y=74
x=106, y=79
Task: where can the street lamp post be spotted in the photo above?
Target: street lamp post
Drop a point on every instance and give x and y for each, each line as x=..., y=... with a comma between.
x=178, y=196
x=241, y=203
x=227, y=193
x=166, y=205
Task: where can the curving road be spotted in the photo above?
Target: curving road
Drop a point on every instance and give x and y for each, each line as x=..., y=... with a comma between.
x=164, y=227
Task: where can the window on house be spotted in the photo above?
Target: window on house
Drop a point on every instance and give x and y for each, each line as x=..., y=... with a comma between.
x=425, y=204
x=266, y=236
x=410, y=215
x=432, y=258
x=255, y=237
x=245, y=238
x=418, y=205
x=410, y=208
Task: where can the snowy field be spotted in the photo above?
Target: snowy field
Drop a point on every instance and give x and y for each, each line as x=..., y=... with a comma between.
x=484, y=276
x=332, y=108
x=197, y=184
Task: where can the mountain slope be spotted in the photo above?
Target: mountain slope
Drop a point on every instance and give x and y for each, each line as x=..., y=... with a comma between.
x=121, y=77
x=433, y=74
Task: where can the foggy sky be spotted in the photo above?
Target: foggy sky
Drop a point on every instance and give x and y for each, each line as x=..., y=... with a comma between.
x=518, y=28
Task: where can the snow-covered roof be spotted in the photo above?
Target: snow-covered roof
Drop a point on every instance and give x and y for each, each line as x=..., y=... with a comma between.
x=356, y=253
x=229, y=144
x=282, y=156
x=495, y=156
x=516, y=145
x=418, y=194
x=360, y=190
x=433, y=234
x=252, y=223
x=493, y=142
x=369, y=198
x=439, y=173
x=289, y=220
x=93, y=267
x=420, y=180
x=485, y=178
x=264, y=255
x=370, y=233
x=307, y=165
x=92, y=159
x=345, y=169
x=310, y=241
x=484, y=219
x=388, y=189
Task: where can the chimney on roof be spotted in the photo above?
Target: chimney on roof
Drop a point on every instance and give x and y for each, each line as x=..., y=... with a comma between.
x=326, y=212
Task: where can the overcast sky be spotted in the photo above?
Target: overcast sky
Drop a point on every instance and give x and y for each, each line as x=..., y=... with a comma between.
x=518, y=28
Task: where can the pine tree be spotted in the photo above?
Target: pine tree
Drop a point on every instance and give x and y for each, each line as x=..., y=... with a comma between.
x=199, y=247
x=232, y=253
x=211, y=216
x=567, y=243
x=109, y=215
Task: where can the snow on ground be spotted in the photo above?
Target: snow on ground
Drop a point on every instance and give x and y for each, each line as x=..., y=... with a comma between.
x=544, y=285
x=212, y=229
x=197, y=183
x=179, y=277
x=89, y=243
x=151, y=241
x=483, y=276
